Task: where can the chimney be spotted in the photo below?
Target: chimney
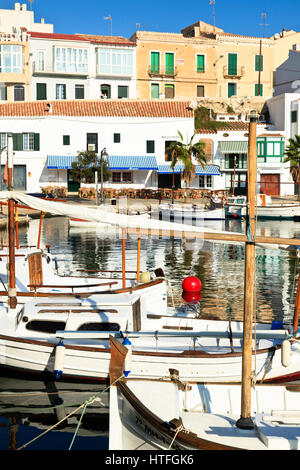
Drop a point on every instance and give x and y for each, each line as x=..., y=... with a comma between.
x=17, y=6
x=24, y=7
x=42, y=20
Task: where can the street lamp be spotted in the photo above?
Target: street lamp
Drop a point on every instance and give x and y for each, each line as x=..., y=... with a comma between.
x=104, y=156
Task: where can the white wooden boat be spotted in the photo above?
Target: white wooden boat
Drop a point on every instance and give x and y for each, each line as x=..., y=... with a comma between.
x=182, y=212
x=236, y=207
x=175, y=415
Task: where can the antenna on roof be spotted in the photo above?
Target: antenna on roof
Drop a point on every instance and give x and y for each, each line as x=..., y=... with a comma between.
x=212, y=2
x=30, y=3
x=109, y=18
x=264, y=15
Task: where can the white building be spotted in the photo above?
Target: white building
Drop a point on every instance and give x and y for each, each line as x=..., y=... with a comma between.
x=48, y=136
x=82, y=67
x=11, y=21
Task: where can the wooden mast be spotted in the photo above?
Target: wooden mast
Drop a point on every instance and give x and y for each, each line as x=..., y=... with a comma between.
x=245, y=421
x=12, y=298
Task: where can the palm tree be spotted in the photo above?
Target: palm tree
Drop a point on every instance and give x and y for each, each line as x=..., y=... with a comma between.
x=292, y=153
x=185, y=153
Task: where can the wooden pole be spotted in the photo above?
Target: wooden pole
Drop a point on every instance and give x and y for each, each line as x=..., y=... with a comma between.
x=17, y=227
x=297, y=308
x=245, y=421
x=138, y=259
x=123, y=259
x=12, y=298
x=40, y=229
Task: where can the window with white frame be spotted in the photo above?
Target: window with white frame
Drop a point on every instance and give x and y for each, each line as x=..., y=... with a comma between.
x=40, y=63
x=11, y=59
x=61, y=91
x=3, y=140
x=28, y=141
x=205, y=181
x=71, y=59
x=114, y=61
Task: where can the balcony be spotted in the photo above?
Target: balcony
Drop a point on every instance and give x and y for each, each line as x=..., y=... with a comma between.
x=49, y=69
x=233, y=72
x=162, y=72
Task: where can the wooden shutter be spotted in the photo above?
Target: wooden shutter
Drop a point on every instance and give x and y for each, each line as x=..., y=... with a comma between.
x=18, y=141
x=200, y=63
x=41, y=91
x=169, y=63
x=155, y=62
x=261, y=90
x=36, y=142
x=257, y=63
x=169, y=91
x=150, y=146
x=232, y=64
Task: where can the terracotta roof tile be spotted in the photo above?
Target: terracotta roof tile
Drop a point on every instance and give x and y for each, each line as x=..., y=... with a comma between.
x=225, y=126
x=105, y=108
x=83, y=37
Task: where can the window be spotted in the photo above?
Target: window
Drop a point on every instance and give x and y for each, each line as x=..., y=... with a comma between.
x=294, y=116
x=168, y=156
x=257, y=57
x=232, y=89
x=41, y=91
x=232, y=64
x=45, y=326
x=169, y=91
x=61, y=92
x=103, y=326
x=205, y=181
x=79, y=92
x=69, y=59
x=92, y=140
x=154, y=90
x=169, y=63
x=200, y=91
x=3, y=92
x=40, y=63
x=66, y=140
x=200, y=63
x=19, y=93
x=117, y=138
x=150, y=146
x=105, y=91
x=155, y=62
x=121, y=177
x=122, y=91
x=259, y=89
x=115, y=61
x=11, y=59
x=3, y=140
x=28, y=141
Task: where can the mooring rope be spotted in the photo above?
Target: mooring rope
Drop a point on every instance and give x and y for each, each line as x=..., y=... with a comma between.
x=83, y=405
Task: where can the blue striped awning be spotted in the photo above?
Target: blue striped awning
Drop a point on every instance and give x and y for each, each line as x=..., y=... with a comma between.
x=132, y=163
x=61, y=162
x=208, y=170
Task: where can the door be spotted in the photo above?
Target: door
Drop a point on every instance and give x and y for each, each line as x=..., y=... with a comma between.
x=231, y=89
x=169, y=64
x=73, y=185
x=270, y=184
x=166, y=181
x=232, y=64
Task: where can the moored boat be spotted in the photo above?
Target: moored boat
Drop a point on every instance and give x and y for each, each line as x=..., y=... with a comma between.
x=236, y=207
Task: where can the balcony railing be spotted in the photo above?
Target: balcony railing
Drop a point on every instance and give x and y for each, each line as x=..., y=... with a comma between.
x=233, y=72
x=162, y=72
x=14, y=37
x=50, y=69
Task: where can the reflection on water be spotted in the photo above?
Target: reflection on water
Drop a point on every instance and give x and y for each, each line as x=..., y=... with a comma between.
x=220, y=266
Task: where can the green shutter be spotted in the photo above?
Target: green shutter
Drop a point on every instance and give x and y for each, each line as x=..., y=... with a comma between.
x=154, y=62
x=169, y=65
x=232, y=64
x=231, y=89
x=150, y=146
x=154, y=90
x=122, y=91
x=41, y=91
x=36, y=142
x=257, y=63
x=200, y=63
x=261, y=90
x=17, y=141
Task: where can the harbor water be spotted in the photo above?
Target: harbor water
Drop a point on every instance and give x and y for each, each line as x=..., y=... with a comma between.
x=29, y=408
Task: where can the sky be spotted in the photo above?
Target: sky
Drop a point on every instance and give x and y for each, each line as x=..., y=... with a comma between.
x=234, y=16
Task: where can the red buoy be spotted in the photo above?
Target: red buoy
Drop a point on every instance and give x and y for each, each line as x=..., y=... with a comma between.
x=191, y=284
x=191, y=296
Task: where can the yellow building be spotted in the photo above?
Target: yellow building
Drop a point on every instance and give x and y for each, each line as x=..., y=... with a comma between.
x=15, y=71
x=203, y=61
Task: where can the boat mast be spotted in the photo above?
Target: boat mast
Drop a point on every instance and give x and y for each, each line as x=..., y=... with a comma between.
x=245, y=421
x=12, y=298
